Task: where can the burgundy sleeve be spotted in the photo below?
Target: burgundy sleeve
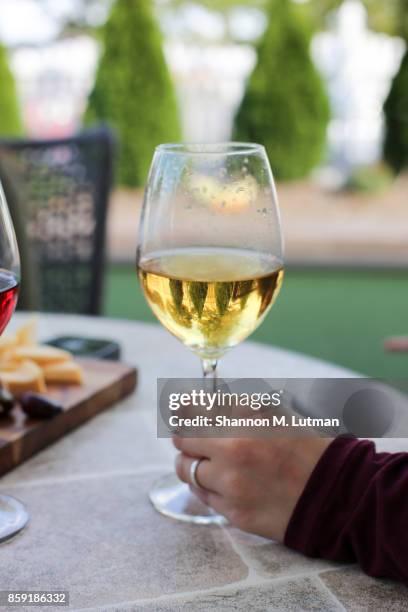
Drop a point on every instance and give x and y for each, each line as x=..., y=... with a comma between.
x=355, y=508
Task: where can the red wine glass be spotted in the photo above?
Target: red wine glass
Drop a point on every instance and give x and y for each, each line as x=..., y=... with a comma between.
x=13, y=515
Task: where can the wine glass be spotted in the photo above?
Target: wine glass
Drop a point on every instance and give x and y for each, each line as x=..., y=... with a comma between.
x=209, y=261
x=13, y=515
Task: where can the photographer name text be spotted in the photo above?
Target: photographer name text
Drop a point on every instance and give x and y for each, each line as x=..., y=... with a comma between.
x=272, y=421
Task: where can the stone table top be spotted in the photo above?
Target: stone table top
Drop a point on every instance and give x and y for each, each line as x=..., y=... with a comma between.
x=94, y=533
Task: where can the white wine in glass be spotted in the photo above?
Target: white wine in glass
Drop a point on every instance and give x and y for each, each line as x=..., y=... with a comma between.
x=210, y=298
x=209, y=261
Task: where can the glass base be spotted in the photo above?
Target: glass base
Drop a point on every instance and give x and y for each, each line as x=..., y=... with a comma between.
x=173, y=498
x=13, y=517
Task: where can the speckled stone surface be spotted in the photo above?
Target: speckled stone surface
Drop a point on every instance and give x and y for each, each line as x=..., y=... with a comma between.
x=360, y=593
x=100, y=539
x=94, y=533
x=280, y=596
x=272, y=560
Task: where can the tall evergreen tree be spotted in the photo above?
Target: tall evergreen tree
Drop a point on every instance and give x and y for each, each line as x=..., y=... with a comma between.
x=285, y=106
x=10, y=122
x=396, y=120
x=133, y=89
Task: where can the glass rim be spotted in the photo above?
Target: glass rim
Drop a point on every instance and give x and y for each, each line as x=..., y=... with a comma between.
x=211, y=148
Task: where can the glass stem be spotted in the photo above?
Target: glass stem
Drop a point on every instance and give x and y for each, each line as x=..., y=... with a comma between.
x=210, y=373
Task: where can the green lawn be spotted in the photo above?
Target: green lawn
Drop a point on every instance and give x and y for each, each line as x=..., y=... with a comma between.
x=338, y=315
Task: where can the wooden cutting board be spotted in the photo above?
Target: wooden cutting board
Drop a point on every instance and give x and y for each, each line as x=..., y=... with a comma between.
x=105, y=383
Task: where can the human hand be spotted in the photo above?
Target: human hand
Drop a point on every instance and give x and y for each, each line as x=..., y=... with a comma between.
x=254, y=482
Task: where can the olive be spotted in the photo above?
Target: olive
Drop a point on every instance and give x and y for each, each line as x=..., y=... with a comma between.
x=38, y=406
x=7, y=401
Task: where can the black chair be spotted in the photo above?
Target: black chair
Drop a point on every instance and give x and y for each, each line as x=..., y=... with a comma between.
x=28, y=298
x=60, y=188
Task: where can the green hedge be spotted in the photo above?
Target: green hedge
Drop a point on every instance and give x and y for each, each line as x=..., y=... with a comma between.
x=10, y=121
x=396, y=120
x=133, y=89
x=285, y=106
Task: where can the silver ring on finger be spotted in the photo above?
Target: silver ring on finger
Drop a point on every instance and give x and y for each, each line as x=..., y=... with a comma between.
x=193, y=473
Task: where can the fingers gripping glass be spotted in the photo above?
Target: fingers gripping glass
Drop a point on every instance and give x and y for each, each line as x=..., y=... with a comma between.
x=209, y=261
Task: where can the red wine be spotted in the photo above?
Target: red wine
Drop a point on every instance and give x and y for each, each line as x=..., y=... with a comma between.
x=8, y=297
